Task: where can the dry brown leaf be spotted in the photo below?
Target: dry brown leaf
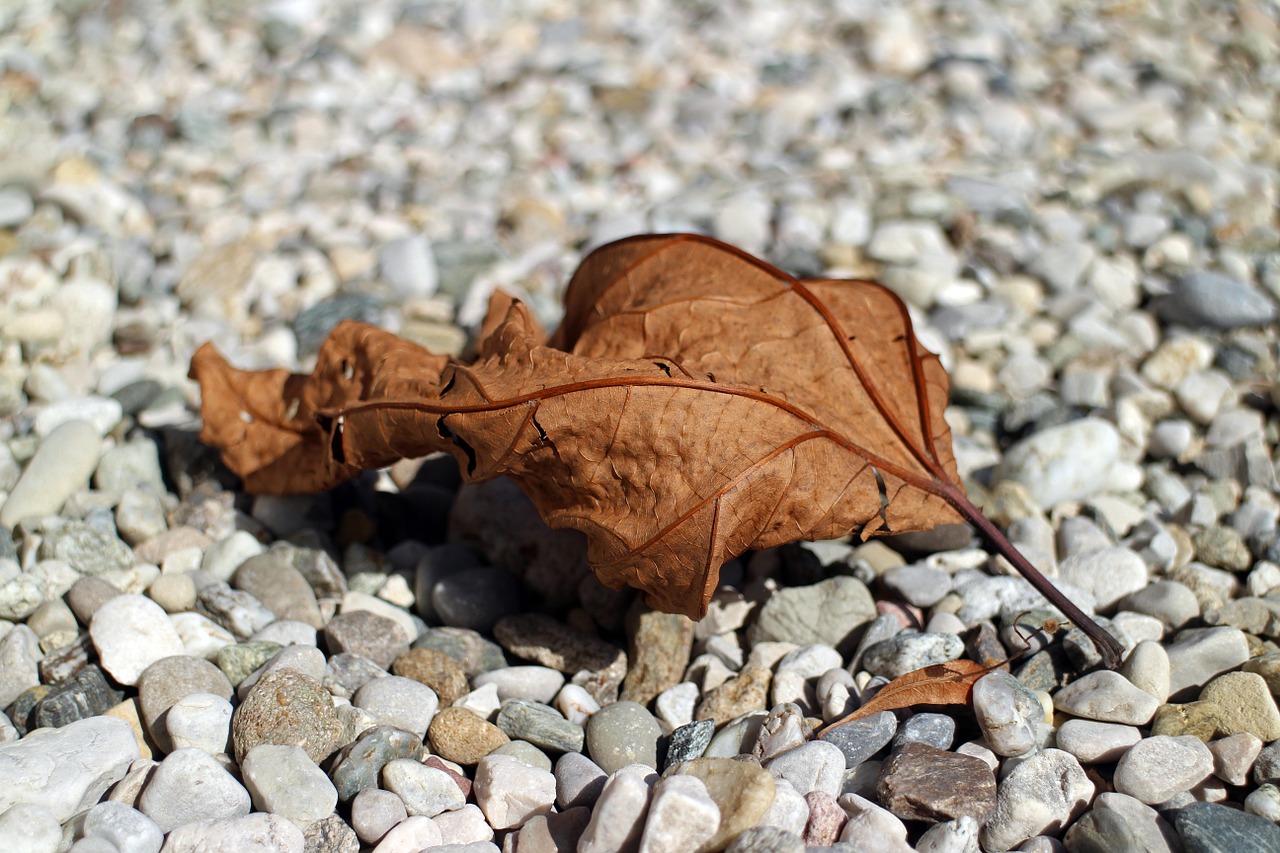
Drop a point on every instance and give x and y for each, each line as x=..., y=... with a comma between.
x=949, y=683
x=695, y=403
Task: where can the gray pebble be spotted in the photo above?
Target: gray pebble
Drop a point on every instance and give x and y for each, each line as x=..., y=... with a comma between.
x=909, y=652
x=63, y=463
x=1096, y=743
x=817, y=765
x=1045, y=791
x=1204, y=298
x=424, y=790
x=623, y=733
x=170, y=679
x=273, y=581
x=535, y=683
x=191, y=787
x=399, y=702
x=540, y=725
x=1108, y=697
x=200, y=720
x=689, y=741
x=526, y=753
x=374, y=812
x=861, y=739
x=476, y=599
x=83, y=695
x=367, y=634
x=1158, y=767
x=283, y=780
x=826, y=612
x=237, y=611
x=86, y=549
x=357, y=765
x=936, y=730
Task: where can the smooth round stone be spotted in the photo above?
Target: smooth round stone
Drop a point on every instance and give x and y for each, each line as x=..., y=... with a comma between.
x=307, y=660
x=1233, y=757
x=1147, y=668
x=540, y=725
x=1264, y=801
x=1046, y=790
x=283, y=780
x=374, y=812
x=272, y=579
x=621, y=734
x=579, y=781
x=1051, y=463
x=131, y=632
x=1108, y=697
x=124, y=827
x=681, y=815
x=87, y=594
x=742, y=790
x=909, y=652
x=223, y=557
x=259, y=831
x=918, y=585
x=287, y=632
x=510, y=792
x=175, y=593
x=63, y=463
x=1242, y=703
x=286, y=707
x=936, y=730
x=1096, y=743
x=399, y=702
x=860, y=739
x=535, y=683
x=357, y=765
x=1214, y=828
x=1173, y=603
x=1101, y=831
x=1010, y=716
x=190, y=786
x=1158, y=767
x=812, y=766
x=165, y=682
x=441, y=673
x=424, y=790
x=199, y=720
x=476, y=599
x=1196, y=659
x=1108, y=574
x=526, y=753
x=463, y=737
x=364, y=633
x=1206, y=298
x=689, y=741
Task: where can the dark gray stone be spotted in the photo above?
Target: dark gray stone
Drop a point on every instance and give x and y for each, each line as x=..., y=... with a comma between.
x=689, y=741
x=367, y=634
x=476, y=599
x=86, y=694
x=861, y=739
x=467, y=647
x=1204, y=298
x=1102, y=831
x=1214, y=828
x=936, y=730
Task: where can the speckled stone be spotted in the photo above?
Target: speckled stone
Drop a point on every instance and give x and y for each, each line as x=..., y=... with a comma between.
x=358, y=764
x=747, y=692
x=367, y=634
x=540, y=725
x=435, y=669
x=689, y=741
x=170, y=679
x=467, y=647
x=330, y=835
x=238, y=661
x=1242, y=703
x=287, y=707
x=461, y=736
x=86, y=694
x=346, y=673
x=1214, y=828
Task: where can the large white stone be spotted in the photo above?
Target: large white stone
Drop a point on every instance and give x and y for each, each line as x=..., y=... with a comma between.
x=66, y=770
x=131, y=632
x=1062, y=463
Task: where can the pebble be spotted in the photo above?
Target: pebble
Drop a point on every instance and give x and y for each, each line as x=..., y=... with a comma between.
x=921, y=782
x=540, y=725
x=444, y=675
x=1154, y=832
x=827, y=612
x=131, y=632
x=364, y=633
x=1096, y=743
x=468, y=826
x=399, y=702
x=191, y=787
x=63, y=463
x=1048, y=463
x=199, y=720
x=358, y=765
x=124, y=827
x=1147, y=668
x=1108, y=574
x=410, y=835
x=1158, y=767
x=1107, y=697
x=86, y=549
x=749, y=691
x=510, y=792
x=287, y=707
x=825, y=819
x=424, y=790
x=658, y=653
x=233, y=609
x=19, y=663
x=283, y=780
x=476, y=599
x=374, y=812
x=526, y=753
x=936, y=730
x=265, y=832
x=409, y=266
x=535, y=683
x=1204, y=298
x=767, y=839
x=1264, y=801
x=278, y=586
x=162, y=684
x=461, y=736
x=861, y=739
x=29, y=827
x=690, y=741
x=618, y=818
x=579, y=781
x=1214, y=828
x=1241, y=702
x=789, y=811
x=1010, y=716
x=1233, y=757
x=813, y=766
x=742, y=790
x=621, y=734
x=1196, y=659
x=867, y=820
x=1046, y=790
x=908, y=652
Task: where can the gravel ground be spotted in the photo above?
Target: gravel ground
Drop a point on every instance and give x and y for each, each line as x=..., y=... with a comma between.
x=1078, y=201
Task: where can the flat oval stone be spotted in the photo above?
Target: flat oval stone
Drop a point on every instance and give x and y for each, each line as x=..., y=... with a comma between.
x=621, y=734
x=170, y=679
x=287, y=707
x=861, y=739
x=919, y=782
x=1158, y=767
x=272, y=579
x=463, y=737
x=131, y=632
x=1107, y=697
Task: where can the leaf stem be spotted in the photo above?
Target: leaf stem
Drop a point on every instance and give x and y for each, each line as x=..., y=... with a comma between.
x=1108, y=646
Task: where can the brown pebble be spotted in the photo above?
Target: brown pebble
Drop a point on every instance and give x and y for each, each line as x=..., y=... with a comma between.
x=435, y=669
x=922, y=782
x=463, y=737
x=659, y=652
x=737, y=696
x=463, y=783
x=826, y=819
